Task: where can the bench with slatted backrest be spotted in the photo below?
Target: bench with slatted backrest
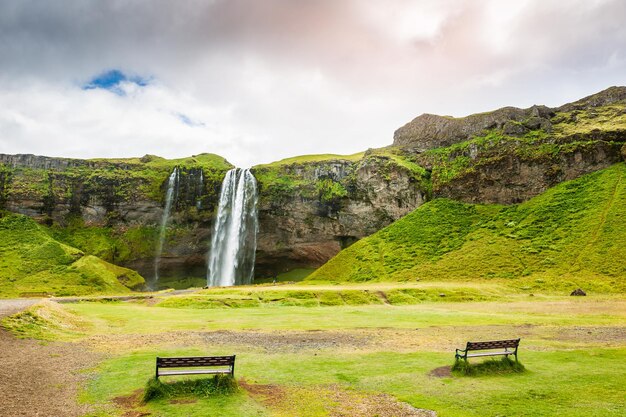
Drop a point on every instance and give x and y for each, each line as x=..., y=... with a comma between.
x=495, y=348
x=196, y=365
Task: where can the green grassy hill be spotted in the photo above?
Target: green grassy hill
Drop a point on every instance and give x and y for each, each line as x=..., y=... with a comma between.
x=32, y=262
x=573, y=235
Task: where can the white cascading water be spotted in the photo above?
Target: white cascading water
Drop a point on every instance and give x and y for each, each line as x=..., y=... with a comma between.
x=169, y=199
x=200, y=188
x=233, y=244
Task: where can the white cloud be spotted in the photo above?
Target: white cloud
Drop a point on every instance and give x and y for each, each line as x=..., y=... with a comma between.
x=258, y=81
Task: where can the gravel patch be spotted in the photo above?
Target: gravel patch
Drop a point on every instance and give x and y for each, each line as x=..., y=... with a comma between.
x=271, y=342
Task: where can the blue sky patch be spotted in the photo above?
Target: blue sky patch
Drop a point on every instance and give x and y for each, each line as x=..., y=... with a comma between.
x=188, y=121
x=111, y=80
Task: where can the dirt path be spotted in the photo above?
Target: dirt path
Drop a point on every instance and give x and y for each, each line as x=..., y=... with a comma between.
x=12, y=306
x=36, y=378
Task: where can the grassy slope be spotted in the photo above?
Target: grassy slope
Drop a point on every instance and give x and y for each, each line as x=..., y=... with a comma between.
x=33, y=262
x=572, y=235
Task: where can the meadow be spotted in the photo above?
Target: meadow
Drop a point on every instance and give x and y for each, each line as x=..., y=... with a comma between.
x=368, y=352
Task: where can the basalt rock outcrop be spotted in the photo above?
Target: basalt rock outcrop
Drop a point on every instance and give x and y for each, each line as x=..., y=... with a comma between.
x=430, y=131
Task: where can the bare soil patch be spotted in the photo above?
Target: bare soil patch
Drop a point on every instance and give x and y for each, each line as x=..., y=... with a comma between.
x=37, y=378
x=129, y=401
x=335, y=400
x=350, y=404
x=441, y=372
x=274, y=341
x=435, y=338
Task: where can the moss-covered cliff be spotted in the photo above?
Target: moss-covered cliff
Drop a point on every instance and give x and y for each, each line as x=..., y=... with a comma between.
x=310, y=207
x=111, y=208
x=510, y=155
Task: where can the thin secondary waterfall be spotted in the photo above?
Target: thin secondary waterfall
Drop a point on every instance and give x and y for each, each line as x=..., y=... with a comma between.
x=169, y=199
x=199, y=191
x=233, y=245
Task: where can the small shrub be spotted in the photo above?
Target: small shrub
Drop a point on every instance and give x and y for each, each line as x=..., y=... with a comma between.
x=356, y=297
x=205, y=387
x=505, y=365
x=330, y=298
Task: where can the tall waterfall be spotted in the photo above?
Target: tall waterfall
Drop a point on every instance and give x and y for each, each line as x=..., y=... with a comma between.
x=233, y=245
x=169, y=199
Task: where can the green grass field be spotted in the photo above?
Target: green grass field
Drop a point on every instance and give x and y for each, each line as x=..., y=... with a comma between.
x=315, y=359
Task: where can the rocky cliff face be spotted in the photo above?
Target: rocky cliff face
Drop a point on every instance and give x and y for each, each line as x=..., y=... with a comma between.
x=430, y=131
x=506, y=156
x=311, y=210
x=510, y=155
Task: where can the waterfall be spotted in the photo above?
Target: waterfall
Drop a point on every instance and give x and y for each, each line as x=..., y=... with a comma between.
x=199, y=191
x=233, y=244
x=169, y=198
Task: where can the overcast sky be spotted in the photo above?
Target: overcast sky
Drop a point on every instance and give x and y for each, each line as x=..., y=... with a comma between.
x=260, y=80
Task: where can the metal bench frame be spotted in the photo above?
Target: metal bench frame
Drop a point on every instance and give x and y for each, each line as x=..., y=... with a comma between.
x=226, y=365
x=495, y=344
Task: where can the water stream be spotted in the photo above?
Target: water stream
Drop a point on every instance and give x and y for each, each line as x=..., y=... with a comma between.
x=169, y=199
x=199, y=191
x=233, y=244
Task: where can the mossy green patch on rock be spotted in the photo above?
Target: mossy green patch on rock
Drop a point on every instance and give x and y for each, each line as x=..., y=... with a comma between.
x=59, y=188
x=331, y=177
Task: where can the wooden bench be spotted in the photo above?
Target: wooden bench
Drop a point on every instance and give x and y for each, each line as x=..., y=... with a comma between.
x=224, y=365
x=492, y=345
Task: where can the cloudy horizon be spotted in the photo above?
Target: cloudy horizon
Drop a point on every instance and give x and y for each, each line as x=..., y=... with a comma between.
x=258, y=81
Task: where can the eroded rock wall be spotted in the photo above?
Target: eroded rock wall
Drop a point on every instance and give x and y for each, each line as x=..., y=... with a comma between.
x=303, y=226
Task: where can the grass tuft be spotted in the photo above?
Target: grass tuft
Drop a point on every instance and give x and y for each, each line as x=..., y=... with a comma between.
x=205, y=387
x=502, y=366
